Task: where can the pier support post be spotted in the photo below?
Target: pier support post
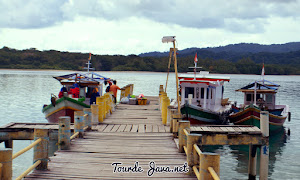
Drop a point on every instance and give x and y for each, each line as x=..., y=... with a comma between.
x=209, y=160
x=252, y=162
x=88, y=121
x=64, y=133
x=6, y=163
x=40, y=151
x=181, y=136
x=95, y=111
x=264, y=152
x=192, y=156
x=78, y=123
x=100, y=103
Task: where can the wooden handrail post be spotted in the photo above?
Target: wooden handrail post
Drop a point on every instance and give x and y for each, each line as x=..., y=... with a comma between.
x=40, y=151
x=209, y=160
x=161, y=88
x=166, y=103
x=252, y=162
x=78, y=123
x=6, y=161
x=169, y=115
x=176, y=117
x=264, y=152
x=181, y=136
x=88, y=121
x=95, y=111
x=104, y=106
x=64, y=133
x=192, y=156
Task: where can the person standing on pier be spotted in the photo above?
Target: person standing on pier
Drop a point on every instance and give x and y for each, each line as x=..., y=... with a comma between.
x=114, y=88
x=94, y=96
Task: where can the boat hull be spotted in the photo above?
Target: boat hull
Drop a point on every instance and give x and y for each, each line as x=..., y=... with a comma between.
x=197, y=115
x=63, y=107
x=251, y=116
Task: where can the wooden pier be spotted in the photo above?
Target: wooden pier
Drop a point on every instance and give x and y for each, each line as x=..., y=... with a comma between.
x=132, y=142
x=131, y=134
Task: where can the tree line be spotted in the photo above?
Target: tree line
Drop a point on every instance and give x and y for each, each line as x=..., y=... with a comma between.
x=52, y=59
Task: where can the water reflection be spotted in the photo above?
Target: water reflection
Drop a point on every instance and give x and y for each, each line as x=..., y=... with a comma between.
x=277, y=143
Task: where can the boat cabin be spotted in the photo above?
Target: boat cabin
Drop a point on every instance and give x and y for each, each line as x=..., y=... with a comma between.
x=206, y=90
x=86, y=81
x=261, y=93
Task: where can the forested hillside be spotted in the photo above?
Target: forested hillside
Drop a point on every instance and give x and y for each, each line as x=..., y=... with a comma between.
x=275, y=63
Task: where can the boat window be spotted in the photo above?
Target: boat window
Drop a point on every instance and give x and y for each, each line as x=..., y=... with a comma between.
x=189, y=90
x=258, y=96
x=269, y=97
x=197, y=93
x=249, y=97
x=202, y=93
x=207, y=94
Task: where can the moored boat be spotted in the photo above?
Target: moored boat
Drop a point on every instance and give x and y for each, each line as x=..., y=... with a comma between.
x=65, y=105
x=259, y=96
x=202, y=99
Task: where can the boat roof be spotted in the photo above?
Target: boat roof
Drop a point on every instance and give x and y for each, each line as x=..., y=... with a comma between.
x=203, y=76
x=88, y=78
x=262, y=86
x=213, y=83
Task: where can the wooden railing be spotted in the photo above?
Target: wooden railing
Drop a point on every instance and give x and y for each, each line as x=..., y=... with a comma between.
x=126, y=90
x=204, y=165
x=83, y=121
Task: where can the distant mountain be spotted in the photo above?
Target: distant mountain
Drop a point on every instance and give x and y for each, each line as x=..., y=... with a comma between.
x=232, y=51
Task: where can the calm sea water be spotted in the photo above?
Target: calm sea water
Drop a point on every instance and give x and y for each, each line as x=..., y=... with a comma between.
x=23, y=94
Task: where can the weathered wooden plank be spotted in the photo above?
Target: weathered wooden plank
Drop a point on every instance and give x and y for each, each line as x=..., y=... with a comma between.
x=121, y=128
x=101, y=127
x=141, y=128
x=108, y=128
x=128, y=128
x=134, y=128
x=161, y=128
x=115, y=128
x=155, y=128
x=148, y=128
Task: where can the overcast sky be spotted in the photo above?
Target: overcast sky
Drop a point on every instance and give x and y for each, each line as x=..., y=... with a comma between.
x=137, y=26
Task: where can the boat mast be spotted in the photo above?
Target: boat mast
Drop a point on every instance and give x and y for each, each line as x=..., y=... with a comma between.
x=89, y=63
x=255, y=86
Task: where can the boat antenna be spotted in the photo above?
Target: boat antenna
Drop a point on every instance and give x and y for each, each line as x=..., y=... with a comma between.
x=89, y=63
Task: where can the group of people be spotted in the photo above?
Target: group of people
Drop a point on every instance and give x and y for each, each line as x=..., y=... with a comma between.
x=112, y=87
x=73, y=90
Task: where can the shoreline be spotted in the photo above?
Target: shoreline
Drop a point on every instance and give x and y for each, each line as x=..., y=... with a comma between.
x=55, y=70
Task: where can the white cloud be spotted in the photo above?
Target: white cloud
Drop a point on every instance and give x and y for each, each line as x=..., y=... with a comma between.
x=137, y=26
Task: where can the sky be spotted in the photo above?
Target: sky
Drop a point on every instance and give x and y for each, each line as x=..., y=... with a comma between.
x=137, y=26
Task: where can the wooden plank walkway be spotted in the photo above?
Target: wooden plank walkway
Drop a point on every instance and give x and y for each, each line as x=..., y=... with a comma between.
x=132, y=134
